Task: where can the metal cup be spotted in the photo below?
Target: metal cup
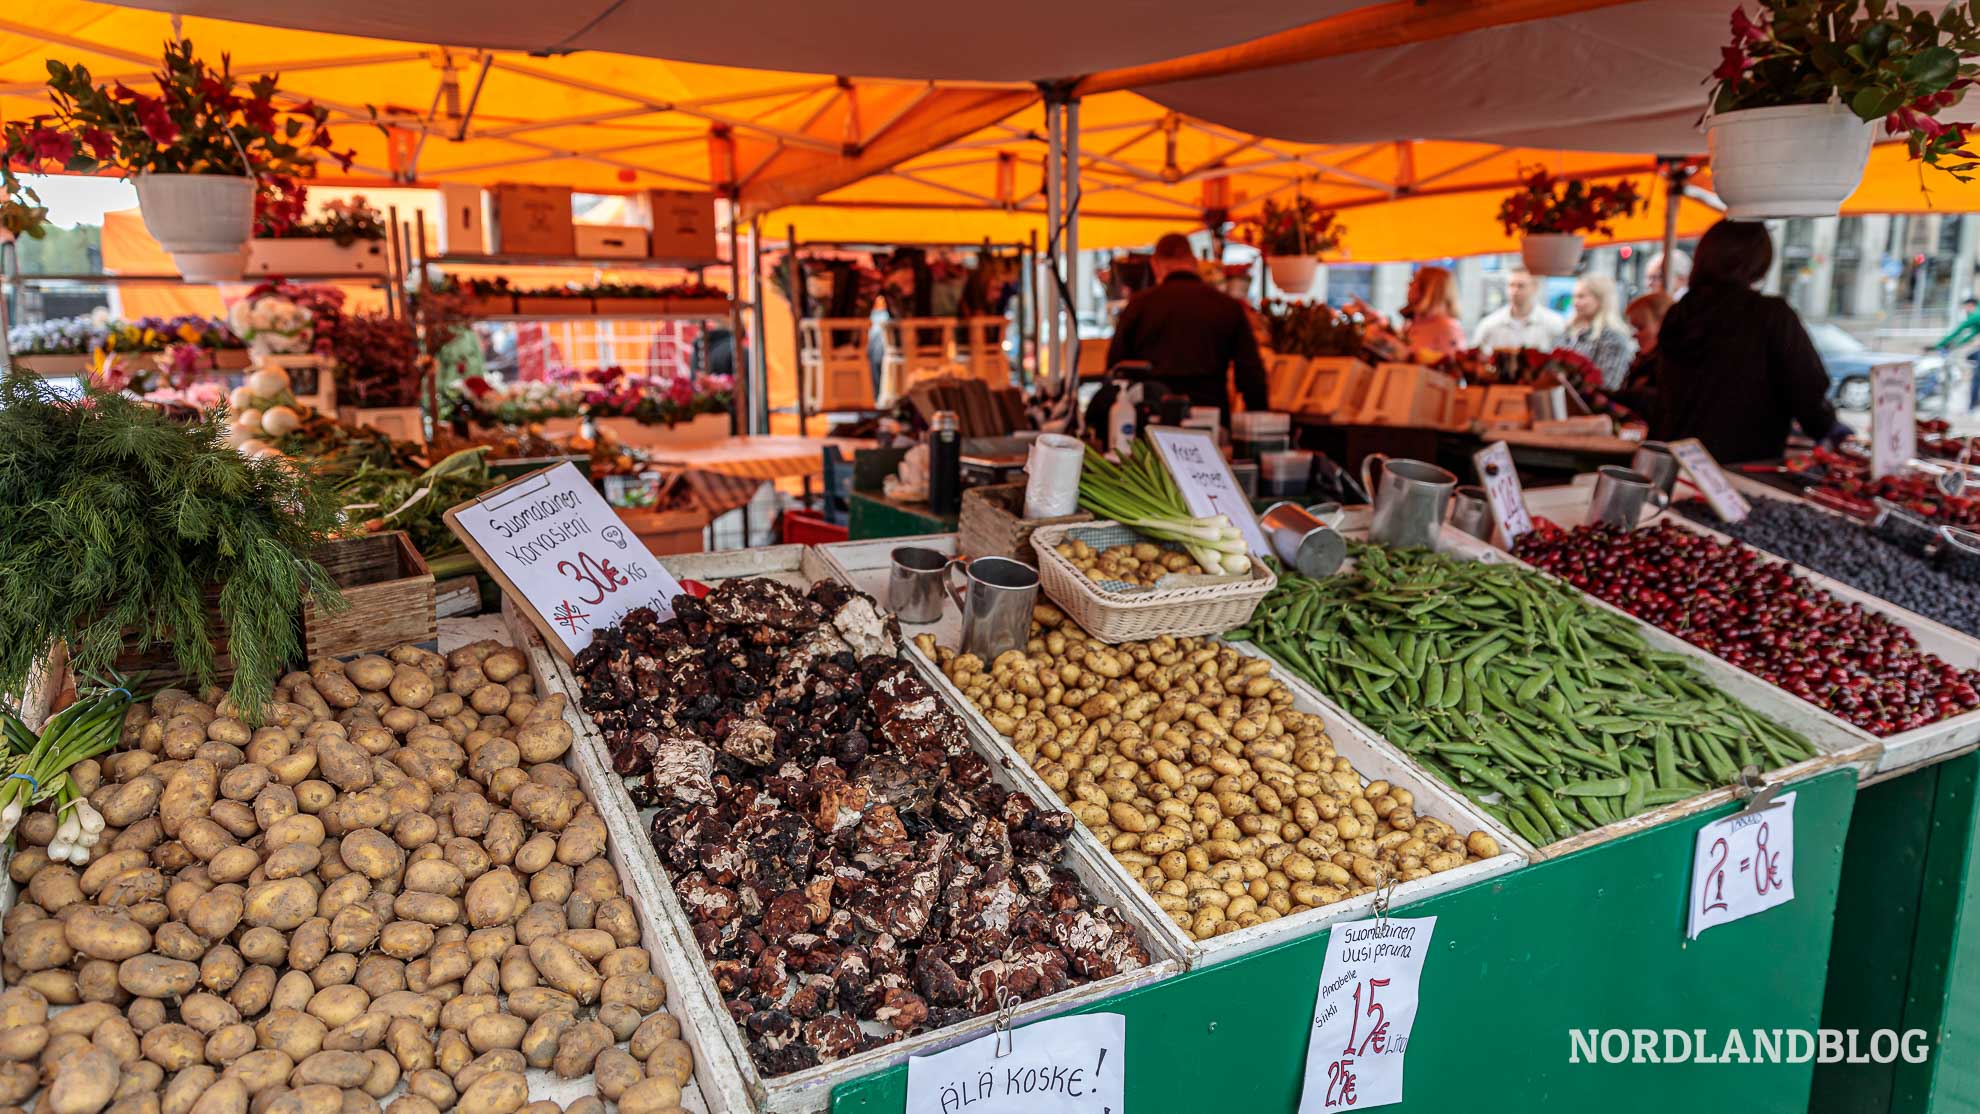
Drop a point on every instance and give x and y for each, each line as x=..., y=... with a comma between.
x=997, y=607
x=914, y=584
x=1547, y=404
x=1304, y=541
x=1329, y=514
x=1620, y=497
x=1411, y=501
x=1655, y=460
x=1471, y=512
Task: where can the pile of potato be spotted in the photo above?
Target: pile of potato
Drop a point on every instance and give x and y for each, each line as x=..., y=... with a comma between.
x=391, y=888
x=1187, y=760
x=1141, y=563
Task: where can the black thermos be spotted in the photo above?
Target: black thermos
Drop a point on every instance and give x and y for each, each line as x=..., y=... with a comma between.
x=944, y=464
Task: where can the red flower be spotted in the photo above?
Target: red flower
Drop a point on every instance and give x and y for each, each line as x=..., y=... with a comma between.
x=47, y=144
x=1745, y=29
x=477, y=386
x=156, y=120
x=1732, y=65
x=100, y=143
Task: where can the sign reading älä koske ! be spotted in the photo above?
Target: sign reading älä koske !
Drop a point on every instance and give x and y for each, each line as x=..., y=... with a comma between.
x=560, y=551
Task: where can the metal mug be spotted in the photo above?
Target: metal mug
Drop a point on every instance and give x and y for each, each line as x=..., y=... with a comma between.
x=1471, y=512
x=1303, y=540
x=1655, y=460
x=1329, y=514
x=1411, y=501
x=996, y=610
x=1620, y=497
x=1547, y=404
x=914, y=583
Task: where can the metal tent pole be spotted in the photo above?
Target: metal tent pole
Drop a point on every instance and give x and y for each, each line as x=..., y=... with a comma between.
x=738, y=416
x=1675, y=176
x=759, y=354
x=794, y=286
x=1054, y=200
x=1031, y=338
x=1069, y=200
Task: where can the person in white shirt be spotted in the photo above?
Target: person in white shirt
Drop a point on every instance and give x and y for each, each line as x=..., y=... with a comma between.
x=1522, y=322
x=1653, y=274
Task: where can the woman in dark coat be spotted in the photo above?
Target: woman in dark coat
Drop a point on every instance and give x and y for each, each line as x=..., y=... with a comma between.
x=1735, y=368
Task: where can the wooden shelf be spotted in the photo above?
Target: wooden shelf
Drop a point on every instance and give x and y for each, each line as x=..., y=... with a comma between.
x=642, y=264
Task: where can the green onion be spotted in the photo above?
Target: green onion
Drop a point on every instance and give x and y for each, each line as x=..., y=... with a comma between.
x=1139, y=493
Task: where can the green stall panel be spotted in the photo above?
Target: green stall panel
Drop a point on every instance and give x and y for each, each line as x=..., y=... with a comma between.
x=1591, y=941
x=1907, y=944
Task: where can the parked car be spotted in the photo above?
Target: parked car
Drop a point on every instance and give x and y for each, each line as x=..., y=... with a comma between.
x=1849, y=360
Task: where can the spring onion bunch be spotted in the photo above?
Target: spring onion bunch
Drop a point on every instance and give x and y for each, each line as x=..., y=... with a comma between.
x=1140, y=493
x=35, y=768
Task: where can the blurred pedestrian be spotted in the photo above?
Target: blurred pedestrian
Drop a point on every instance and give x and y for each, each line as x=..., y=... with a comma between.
x=1432, y=312
x=1522, y=322
x=1598, y=332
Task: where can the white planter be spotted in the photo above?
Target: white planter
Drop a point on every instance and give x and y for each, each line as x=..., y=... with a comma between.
x=1799, y=160
x=1550, y=253
x=1293, y=273
x=204, y=220
x=303, y=255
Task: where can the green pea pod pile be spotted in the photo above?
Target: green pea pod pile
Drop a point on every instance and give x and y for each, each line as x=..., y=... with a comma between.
x=1549, y=712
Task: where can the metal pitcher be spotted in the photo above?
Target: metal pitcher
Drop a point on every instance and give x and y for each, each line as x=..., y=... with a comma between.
x=915, y=577
x=1471, y=512
x=996, y=609
x=1547, y=404
x=1303, y=540
x=1620, y=497
x=1411, y=501
x=1655, y=460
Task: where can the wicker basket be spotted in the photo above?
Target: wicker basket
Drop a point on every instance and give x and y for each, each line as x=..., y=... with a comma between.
x=992, y=523
x=1113, y=614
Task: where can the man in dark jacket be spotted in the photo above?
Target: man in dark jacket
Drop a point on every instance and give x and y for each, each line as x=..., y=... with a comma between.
x=1190, y=333
x=1735, y=365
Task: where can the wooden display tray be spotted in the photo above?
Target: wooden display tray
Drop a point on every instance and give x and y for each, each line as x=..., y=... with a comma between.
x=734, y=1083
x=390, y=592
x=1837, y=744
x=865, y=566
x=1568, y=506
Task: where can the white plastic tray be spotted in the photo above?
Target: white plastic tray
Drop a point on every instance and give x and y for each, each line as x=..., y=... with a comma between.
x=865, y=566
x=1568, y=507
x=737, y=1084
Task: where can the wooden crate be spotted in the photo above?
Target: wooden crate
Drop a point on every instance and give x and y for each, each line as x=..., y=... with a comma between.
x=666, y=532
x=390, y=592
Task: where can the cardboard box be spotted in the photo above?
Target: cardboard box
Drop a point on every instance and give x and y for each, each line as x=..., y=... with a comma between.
x=683, y=223
x=533, y=220
x=463, y=220
x=611, y=241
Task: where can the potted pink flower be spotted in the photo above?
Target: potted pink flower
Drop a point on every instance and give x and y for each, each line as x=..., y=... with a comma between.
x=1552, y=215
x=1293, y=238
x=1800, y=90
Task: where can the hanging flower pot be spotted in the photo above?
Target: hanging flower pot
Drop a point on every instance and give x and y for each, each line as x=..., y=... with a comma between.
x=1551, y=253
x=1798, y=160
x=204, y=220
x=1293, y=273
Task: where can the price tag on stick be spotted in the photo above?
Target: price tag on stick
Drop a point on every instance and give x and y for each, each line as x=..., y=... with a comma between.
x=1893, y=419
x=1065, y=1065
x=1364, y=1014
x=1742, y=865
x=1500, y=480
x=1207, y=484
x=1706, y=475
x=560, y=551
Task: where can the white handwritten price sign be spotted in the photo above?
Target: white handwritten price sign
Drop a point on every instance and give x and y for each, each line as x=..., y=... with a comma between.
x=1065, y=1065
x=1893, y=418
x=1500, y=480
x=1706, y=475
x=559, y=549
x=1207, y=484
x=1364, y=1014
x=1742, y=865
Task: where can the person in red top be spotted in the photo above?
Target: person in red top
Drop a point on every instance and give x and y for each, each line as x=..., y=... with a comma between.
x=1192, y=334
x=1432, y=312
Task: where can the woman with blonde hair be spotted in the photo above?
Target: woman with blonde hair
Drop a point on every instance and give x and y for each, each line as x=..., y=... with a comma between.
x=1598, y=331
x=1432, y=312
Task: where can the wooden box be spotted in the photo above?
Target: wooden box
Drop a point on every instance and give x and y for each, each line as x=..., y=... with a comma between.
x=463, y=220
x=992, y=523
x=683, y=223
x=533, y=220
x=610, y=241
x=390, y=592
x=665, y=532
x=1334, y=387
x=1408, y=394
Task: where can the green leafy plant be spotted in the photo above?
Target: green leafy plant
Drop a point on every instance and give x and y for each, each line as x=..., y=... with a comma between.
x=1314, y=329
x=1301, y=228
x=1886, y=61
x=1546, y=205
x=119, y=520
x=200, y=121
